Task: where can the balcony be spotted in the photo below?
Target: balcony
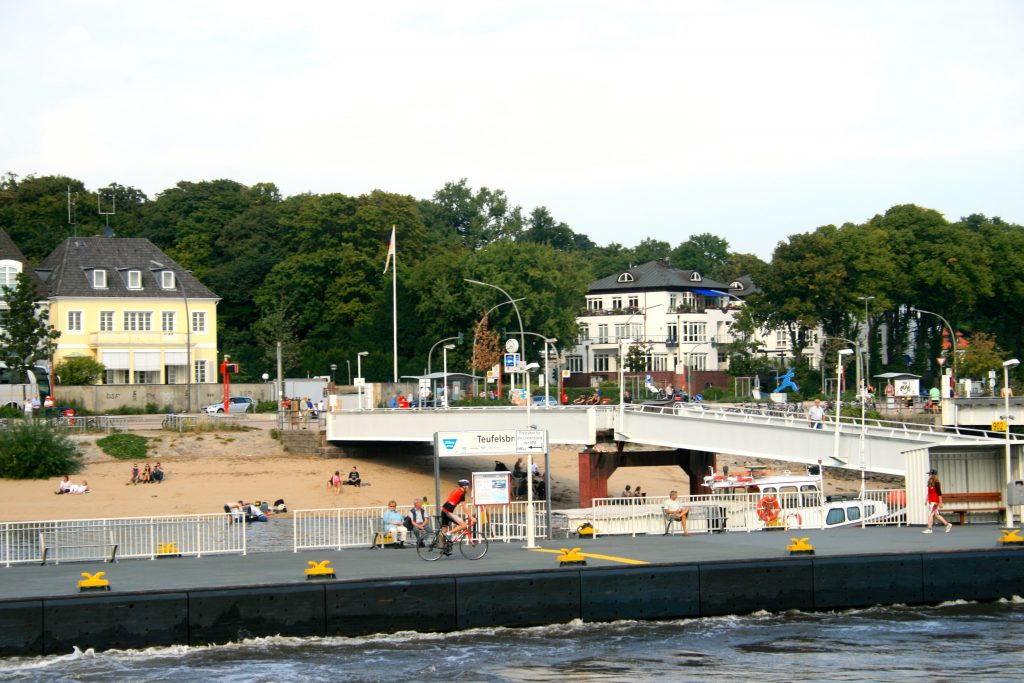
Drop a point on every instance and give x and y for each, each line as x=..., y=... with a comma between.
x=136, y=339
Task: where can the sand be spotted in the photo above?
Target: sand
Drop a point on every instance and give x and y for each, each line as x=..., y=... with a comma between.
x=204, y=471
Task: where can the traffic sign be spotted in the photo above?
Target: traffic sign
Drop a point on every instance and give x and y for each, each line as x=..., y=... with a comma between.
x=511, y=362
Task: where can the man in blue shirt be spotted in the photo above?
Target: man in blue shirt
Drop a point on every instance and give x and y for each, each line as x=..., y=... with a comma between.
x=394, y=523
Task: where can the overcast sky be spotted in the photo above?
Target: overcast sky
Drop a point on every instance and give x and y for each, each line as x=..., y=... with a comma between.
x=749, y=120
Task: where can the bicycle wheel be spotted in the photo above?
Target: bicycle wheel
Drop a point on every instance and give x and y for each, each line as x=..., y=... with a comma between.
x=473, y=548
x=431, y=549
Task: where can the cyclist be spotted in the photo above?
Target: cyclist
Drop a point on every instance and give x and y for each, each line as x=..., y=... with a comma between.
x=456, y=498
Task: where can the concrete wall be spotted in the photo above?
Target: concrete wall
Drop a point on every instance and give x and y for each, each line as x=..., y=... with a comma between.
x=99, y=398
x=449, y=603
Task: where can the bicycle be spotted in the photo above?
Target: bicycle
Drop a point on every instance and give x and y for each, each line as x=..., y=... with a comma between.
x=471, y=544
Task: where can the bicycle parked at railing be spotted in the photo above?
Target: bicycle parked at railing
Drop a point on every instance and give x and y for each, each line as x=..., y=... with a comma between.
x=472, y=544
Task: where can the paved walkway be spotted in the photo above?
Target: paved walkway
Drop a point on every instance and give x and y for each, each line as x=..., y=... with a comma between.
x=33, y=581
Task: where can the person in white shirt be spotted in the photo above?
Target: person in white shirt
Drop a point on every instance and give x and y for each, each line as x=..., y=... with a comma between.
x=816, y=415
x=675, y=509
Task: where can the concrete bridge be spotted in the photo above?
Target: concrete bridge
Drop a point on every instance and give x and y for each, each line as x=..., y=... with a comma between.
x=691, y=433
x=981, y=411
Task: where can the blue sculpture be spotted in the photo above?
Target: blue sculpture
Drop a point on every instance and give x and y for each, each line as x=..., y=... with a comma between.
x=785, y=381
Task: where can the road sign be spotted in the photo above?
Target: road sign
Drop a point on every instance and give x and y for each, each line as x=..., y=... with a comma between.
x=495, y=442
x=531, y=440
x=999, y=425
x=511, y=362
x=566, y=374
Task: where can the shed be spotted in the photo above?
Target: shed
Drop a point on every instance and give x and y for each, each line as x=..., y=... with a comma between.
x=904, y=383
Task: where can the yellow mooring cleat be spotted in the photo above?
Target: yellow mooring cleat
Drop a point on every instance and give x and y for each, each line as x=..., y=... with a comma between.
x=800, y=546
x=1011, y=537
x=570, y=558
x=319, y=570
x=93, y=582
x=168, y=550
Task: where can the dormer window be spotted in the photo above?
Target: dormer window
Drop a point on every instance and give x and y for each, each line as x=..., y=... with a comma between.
x=99, y=279
x=134, y=279
x=695, y=277
x=626, y=277
x=167, y=279
x=736, y=285
x=9, y=273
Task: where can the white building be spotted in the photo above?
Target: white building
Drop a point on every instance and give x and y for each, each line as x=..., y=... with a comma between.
x=682, y=319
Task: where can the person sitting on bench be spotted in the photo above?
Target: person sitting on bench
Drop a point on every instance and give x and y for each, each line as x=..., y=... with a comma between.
x=674, y=511
x=394, y=523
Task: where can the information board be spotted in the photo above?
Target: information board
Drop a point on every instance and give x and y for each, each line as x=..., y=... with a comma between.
x=492, y=488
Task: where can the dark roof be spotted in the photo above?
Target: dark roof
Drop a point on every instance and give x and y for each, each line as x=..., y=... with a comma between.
x=9, y=251
x=746, y=287
x=654, y=275
x=66, y=270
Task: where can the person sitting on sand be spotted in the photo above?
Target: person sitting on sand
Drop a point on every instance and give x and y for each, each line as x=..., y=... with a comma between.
x=64, y=485
x=135, y=476
x=353, y=478
x=157, y=474
x=147, y=474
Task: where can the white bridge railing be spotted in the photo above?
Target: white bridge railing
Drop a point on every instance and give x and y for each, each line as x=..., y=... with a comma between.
x=337, y=528
x=735, y=512
x=134, y=537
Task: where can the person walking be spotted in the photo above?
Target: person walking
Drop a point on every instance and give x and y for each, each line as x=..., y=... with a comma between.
x=815, y=415
x=934, y=501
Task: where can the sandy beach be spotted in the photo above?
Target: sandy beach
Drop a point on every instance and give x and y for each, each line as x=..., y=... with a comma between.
x=208, y=469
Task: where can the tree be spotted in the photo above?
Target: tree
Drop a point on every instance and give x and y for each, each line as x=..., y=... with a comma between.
x=486, y=347
x=981, y=355
x=704, y=253
x=26, y=337
x=80, y=370
x=276, y=326
x=477, y=217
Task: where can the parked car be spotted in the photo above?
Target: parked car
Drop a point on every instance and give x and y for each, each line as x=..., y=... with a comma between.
x=539, y=401
x=237, y=404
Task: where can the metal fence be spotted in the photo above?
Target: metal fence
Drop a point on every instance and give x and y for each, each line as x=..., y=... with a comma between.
x=337, y=528
x=92, y=423
x=139, y=537
x=735, y=512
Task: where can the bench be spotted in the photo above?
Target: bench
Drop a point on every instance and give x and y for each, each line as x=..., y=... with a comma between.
x=51, y=543
x=955, y=503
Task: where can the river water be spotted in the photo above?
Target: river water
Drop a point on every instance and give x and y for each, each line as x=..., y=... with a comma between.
x=948, y=642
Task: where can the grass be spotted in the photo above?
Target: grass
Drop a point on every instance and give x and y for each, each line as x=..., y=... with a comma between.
x=124, y=446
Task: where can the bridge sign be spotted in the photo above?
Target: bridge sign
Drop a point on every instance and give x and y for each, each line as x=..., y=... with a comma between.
x=497, y=442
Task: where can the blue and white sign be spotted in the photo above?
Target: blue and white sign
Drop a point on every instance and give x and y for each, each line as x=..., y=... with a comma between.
x=500, y=442
x=511, y=362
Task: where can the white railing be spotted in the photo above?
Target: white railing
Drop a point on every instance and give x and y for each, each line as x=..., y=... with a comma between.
x=337, y=528
x=135, y=537
x=735, y=512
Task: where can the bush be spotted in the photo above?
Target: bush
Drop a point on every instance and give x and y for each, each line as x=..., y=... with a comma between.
x=35, y=452
x=124, y=446
x=266, y=407
x=80, y=370
x=11, y=411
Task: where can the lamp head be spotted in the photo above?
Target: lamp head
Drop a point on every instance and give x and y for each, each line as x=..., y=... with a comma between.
x=448, y=347
x=363, y=353
x=1012, y=363
x=845, y=352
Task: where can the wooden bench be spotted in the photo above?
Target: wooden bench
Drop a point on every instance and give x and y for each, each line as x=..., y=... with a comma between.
x=954, y=503
x=52, y=542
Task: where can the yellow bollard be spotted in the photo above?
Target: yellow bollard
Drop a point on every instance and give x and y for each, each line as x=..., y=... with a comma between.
x=93, y=582
x=319, y=570
x=1011, y=537
x=800, y=546
x=570, y=558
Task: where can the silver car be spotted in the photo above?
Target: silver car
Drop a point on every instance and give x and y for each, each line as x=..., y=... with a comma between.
x=236, y=404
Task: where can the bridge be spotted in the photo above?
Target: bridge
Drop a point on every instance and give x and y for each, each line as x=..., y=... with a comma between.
x=691, y=435
x=981, y=411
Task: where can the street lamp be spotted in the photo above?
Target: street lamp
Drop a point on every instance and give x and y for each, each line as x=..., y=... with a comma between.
x=522, y=336
x=839, y=398
x=531, y=515
x=622, y=381
x=952, y=337
x=1007, y=364
x=334, y=366
x=867, y=340
x=547, y=376
x=444, y=383
x=486, y=315
x=348, y=364
x=359, y=375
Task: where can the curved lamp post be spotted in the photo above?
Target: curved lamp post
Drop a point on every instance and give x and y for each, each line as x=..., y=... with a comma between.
x=952, y=338
x=522, y=335
x=447, y=348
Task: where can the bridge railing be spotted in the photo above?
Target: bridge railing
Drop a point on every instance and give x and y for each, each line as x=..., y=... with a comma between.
x=135, y=537
x=337, y=528
x=736, y=512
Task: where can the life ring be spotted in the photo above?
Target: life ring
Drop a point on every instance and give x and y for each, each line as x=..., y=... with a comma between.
x=768, y=508
x=794, y=516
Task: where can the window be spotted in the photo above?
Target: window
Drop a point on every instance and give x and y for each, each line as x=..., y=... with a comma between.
x=696, y=361
x=199, y=321
x=146, y=377
x=672, y=302
x=200, y=376
x=134, y=279
x=723, y=358
x=99, y=279
x=659, y=363
x=106, y=321
x=616, y=303
x=138, y=321
x=781, y=339
x=601, y=363
x=634, y=302
x=695, y=277
x=116, y=377
x=809, y=496
x=74, y=321
x=852, y=513
x=584, y=332
x=602, y=334
x=835, y=516
x=673, y=332
x=167, y=321
x=167, y=279
x=694, y=332
x=626, y=277
x=9, y=273
x=575, y=363
x=621, y=332
x=595, y=305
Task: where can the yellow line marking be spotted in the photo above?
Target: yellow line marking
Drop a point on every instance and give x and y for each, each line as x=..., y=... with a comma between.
x=610, y=558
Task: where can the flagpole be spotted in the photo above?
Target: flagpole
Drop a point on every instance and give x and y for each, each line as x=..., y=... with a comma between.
x=394, y=307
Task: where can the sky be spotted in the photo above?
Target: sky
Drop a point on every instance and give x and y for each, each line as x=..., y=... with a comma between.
x=749, y=120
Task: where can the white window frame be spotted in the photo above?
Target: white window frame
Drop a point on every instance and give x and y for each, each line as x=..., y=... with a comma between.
x=633, y=302
x=9, y=270
x=106, y=321
x=99, y=279
x=616, y=302
x=138, y=321
x=595, y=304
x=575, y=363
x=75, y=321
x=694, y=332
x=167, y=279
x=200, y=371
x=602, y=334
x=165, y=318
x=199, y=321
x=134, y=279
x=602, y=362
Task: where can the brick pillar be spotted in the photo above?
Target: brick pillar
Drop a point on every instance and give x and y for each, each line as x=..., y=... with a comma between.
x=595, y=469
x=697, y=465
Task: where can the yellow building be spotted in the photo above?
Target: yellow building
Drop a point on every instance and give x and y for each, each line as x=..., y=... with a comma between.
x=126, y=304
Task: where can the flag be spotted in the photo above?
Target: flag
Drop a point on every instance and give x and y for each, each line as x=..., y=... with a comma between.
x=391, y=250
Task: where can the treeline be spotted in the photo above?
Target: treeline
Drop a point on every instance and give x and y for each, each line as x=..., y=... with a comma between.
x=307, y=269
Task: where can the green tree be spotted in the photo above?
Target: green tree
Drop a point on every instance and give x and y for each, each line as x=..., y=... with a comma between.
x=704, y=253
x=80, y=370
x=478, y=217
x=26, y=337
x=981, y=356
